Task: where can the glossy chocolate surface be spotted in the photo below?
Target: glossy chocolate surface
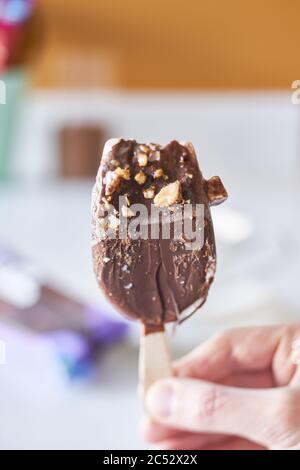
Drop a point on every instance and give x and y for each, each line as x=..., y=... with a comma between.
x=154, y=280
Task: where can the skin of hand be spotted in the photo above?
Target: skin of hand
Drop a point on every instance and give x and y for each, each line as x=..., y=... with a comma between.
x=239, y=390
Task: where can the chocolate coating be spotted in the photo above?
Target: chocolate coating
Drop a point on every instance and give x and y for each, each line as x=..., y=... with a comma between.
x=154, y=280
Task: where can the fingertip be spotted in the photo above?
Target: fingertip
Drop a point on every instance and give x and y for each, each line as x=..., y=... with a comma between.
x=159, y=399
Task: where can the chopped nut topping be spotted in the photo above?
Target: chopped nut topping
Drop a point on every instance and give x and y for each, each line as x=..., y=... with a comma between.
x=112, y=181
x=140, y=177
x=216, y=192
x=96, y=208
x=114, y=222
x=190, y=175
x=153, y=146
x=105, y=202
x=142, y=159
x=168, y=195
x=100, y=228
x=154, y=156
x=158, y=173
x=127, y=212
x=123, y=173
x=144, y=148
x=106, y=259
x=148, y=193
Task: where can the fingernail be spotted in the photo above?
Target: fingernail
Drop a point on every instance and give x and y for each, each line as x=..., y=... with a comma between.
x=159, y=400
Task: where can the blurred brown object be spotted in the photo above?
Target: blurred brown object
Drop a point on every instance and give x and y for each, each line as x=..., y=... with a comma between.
x=80, y=149
x=170, y=44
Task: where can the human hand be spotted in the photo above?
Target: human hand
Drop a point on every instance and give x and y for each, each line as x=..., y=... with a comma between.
x=239, y=390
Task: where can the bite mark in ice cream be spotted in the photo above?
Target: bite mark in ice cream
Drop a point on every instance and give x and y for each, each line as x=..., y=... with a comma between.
x=164, y=281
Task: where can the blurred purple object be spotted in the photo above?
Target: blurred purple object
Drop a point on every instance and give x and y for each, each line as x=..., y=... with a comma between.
x=79, y=351
x=102, y=327
x=80, y=333
x=70, y=343
x=74, y=351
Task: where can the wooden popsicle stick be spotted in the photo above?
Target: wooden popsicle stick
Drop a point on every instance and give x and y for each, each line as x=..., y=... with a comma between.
x=154, y=360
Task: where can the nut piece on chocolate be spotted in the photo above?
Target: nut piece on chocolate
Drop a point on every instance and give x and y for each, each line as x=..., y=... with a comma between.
x=140, y=177
x=168, y=195
x=216, y=192
x=153, y=280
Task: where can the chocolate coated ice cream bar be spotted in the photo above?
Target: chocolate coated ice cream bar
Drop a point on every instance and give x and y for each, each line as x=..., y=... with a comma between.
x=165, y=277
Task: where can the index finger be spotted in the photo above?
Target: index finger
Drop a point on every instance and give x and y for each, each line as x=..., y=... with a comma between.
x=241, y=350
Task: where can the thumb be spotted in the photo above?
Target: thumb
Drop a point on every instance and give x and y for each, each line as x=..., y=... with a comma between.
x=270, y=417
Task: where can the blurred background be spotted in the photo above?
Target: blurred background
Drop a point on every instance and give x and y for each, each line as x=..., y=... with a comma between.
x=73, y=74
